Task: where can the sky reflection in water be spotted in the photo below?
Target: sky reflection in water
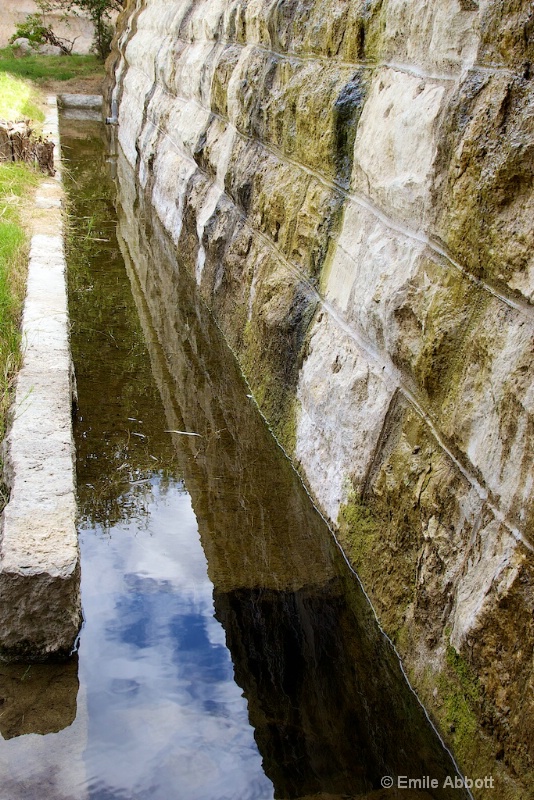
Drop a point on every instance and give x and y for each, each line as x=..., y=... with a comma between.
x=164, y=710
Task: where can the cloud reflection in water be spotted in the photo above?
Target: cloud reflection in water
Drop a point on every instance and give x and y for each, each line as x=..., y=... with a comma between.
x=166, y=718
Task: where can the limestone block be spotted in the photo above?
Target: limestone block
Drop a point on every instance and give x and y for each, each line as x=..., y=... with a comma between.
x=88, y=101
x=40, y=610
x=484, y=169
x=343, y=403
x=436, y=37
x=396, y=143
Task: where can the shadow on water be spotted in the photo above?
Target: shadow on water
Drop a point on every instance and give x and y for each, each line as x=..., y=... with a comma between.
x=37, y=698
x=261, y=673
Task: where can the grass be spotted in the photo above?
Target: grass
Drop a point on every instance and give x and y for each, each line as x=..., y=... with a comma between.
x=43, y=69
x=16, y=182
x=18, y=99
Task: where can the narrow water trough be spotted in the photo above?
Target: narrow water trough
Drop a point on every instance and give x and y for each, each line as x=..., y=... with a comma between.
x=227, y=651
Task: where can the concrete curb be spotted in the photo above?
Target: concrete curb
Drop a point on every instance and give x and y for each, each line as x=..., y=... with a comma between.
x=40, y=607
x=89, y=101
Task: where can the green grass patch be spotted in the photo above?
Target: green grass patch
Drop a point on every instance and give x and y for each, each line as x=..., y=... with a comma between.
x=50, y=68
x=16, y=183
x=18, y=99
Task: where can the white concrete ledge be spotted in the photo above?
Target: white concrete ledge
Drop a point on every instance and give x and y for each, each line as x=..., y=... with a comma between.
x=40, y=608
x=93, y=101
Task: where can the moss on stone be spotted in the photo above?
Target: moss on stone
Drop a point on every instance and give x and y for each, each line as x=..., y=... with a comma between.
x=454, y=698
x=361, y=525
x=271, y=358
x=461, y=693
x=450, y=328
x=375, y=27
x=484, y=175
x=377, y=539
x=221, y=78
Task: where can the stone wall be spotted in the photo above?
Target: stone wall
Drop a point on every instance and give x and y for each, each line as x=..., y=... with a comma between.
x=351, y=185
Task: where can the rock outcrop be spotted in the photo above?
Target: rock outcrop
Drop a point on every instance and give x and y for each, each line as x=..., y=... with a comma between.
x=351, y=185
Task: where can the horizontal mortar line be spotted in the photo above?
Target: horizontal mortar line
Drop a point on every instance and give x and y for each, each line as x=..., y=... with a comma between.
x=289, y=55
x=523, y=307
x=372, y=354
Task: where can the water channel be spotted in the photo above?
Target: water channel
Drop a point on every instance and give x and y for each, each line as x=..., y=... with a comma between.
x=227, y=652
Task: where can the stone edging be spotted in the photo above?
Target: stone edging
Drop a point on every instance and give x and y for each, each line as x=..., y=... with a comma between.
x=40, y=607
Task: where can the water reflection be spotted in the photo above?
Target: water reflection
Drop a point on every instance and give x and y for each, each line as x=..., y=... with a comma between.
x=37, y=698
x=119, y=443
x=262, y=668
x=166, y=718
x=331, y=710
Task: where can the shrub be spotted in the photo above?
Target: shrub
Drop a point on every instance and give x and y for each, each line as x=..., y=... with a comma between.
x=32, y=29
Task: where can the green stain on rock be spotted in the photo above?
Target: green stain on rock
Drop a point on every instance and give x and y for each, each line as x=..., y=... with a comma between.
x=273, y=344
x=378, y=540
x=462, y=695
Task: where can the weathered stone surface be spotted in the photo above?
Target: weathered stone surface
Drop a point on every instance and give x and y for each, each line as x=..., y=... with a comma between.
x=351, y=185
x=40, y=612
x=49, y=50
x=80, y=101
x=22, y=47
x=485, y=168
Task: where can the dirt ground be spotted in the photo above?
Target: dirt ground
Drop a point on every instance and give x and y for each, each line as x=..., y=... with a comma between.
x=90, y=85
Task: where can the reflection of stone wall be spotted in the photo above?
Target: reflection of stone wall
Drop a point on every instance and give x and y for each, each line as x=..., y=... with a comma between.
x=268, y=534
x=40, y=698
x=325, y=691
x=351, y=185
x=15, y=11
x=325, y=695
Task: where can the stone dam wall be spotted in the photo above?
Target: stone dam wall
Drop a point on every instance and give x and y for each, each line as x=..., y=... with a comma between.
x=351, y=185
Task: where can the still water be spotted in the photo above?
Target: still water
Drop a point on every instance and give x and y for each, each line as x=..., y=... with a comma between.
x=227, y=652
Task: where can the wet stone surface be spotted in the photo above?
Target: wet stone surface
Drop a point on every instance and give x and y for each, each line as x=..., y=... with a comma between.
x=227, y=651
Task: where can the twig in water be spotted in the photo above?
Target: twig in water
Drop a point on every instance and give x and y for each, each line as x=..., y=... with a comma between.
x=185, y=433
